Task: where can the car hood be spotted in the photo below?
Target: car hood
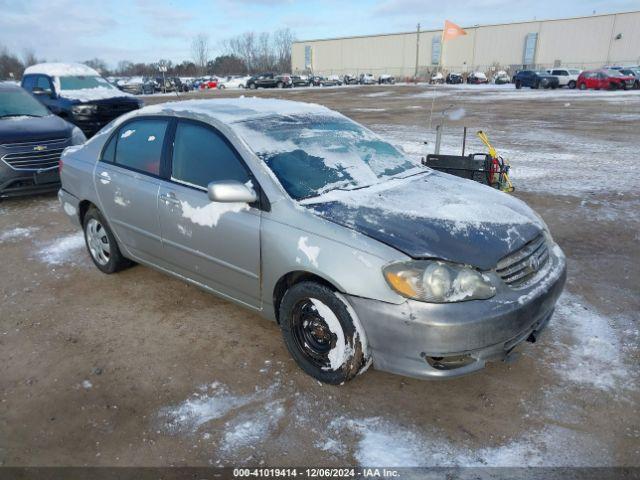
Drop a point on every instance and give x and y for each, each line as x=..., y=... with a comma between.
x=435, y=215
x=97, y=94
x=25, y=129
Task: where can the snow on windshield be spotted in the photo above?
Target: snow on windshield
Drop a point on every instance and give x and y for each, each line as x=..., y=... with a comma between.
x=313, y=153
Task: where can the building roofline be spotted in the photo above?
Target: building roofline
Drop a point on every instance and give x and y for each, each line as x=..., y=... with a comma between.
x=348, y=37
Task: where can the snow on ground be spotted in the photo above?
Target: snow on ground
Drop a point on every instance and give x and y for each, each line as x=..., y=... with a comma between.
x=62, y=250
x=587, y=350
x=17, y=233
x=580, y=343
x=542, y=158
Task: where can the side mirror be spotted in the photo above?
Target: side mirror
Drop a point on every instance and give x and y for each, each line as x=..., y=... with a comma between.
x=42, y=93
x=231, y=191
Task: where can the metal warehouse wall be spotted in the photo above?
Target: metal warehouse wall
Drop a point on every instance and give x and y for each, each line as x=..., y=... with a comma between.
x=586, y=42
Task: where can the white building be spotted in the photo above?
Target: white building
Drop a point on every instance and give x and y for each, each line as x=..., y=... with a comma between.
x=584, y=42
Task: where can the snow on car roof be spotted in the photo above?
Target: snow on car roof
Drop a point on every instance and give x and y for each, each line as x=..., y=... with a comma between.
x=61, y=70
x=233, y=110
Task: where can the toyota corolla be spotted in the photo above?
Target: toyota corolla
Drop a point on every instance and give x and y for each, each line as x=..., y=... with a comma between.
x=361, y=254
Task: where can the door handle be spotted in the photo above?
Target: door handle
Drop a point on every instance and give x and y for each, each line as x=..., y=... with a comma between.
x=169, y=198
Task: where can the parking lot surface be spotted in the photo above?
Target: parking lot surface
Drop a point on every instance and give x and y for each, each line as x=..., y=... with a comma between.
x=141, y=369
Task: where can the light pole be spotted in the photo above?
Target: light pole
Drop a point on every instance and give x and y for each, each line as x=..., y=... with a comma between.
x=415, y=73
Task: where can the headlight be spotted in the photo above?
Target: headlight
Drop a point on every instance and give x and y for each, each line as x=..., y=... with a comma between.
x=435, y=281
x=84, y=109
x=77, y=136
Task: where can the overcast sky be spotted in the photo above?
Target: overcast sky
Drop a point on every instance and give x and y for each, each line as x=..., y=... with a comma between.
x=147, y=30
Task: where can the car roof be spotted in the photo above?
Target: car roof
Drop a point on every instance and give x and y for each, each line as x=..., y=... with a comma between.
x=61, y=70
x=232, y=110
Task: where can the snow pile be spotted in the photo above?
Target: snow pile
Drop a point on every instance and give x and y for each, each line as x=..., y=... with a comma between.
x=62, y=250
x=17, y=233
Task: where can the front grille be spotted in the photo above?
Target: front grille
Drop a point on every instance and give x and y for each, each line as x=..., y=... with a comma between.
x=34, y=156
x=106, y=113
x=519, y=267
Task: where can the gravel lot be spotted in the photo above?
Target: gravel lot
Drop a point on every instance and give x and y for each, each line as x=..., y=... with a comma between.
x=141, y=369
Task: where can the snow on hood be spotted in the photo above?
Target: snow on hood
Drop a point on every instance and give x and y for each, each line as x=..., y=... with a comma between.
x=435, y=215
x=61, y=70
x=92, y=94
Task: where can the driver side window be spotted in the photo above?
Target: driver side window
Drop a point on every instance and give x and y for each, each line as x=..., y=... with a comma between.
x=43, y=84
x=201, y=156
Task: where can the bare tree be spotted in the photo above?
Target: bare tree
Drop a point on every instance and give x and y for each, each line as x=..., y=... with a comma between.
x=29, y=57
x=97, y=64
x=282, y=41
x=200, y=51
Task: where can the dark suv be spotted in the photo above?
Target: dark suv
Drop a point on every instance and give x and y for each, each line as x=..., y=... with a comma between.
x=78, y=94
x=269, y=80
x=535, y=79
x=31, y=142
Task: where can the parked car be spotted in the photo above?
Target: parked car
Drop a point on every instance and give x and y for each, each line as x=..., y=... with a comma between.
x=31, y=141
x=233, y=82
x=567, y=77
x=136, y=86
x=605, y=80
x=359, y=261
x=331, y=81
x=78, y=94
x=386, y=79
x=366, y=79
x=269, y=80
x=350, y=80
x=300, y=81
x=501, y=78
x=454, y=78
x=477, y=78
x=208, y=84
x=632, y=72
x=536, y=79
x=437, y=78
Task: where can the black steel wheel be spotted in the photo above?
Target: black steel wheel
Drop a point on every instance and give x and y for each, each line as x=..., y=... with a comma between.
x=321, y=333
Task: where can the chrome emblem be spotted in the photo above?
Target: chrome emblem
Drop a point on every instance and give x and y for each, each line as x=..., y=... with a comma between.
x=534, y=264
x=40, y=148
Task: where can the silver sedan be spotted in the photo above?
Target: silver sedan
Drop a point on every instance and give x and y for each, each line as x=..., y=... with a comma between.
x=361, y=254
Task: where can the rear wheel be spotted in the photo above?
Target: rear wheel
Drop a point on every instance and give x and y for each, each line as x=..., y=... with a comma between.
x=518, y=84
x=252, y=86
x=571, y=84
x=583, y=86
x=322, y=333
x=280, y=85
x=101, y=243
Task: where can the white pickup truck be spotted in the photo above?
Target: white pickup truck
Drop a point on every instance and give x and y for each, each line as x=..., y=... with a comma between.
x=568, y=77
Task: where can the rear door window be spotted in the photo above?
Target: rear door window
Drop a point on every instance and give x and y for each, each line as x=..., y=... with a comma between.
x=139, y=145
x=201, y=156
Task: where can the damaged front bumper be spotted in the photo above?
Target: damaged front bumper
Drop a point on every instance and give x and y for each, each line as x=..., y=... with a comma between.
x=427, y=340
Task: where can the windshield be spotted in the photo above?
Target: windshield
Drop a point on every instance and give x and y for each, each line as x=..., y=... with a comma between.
x=613, y=73
x=313, y=154
x=84, y=82
x=18, y=103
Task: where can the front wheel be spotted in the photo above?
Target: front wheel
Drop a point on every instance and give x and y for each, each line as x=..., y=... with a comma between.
x=518, y=84
x=252, y=86
x=572, y=84
x=280, y=85
x=322, y=333
x=583, y=86
x=102, y=244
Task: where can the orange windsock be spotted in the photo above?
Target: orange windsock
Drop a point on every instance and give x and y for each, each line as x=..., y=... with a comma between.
x=451, y=30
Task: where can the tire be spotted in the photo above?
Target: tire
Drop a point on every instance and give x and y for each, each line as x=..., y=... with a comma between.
x=322, y=333
x=536, y=85
x=280, y=85
x=252, y=86
x=518, y=84
x=571, y=84
x=101, y=243
x=583, y=86
x=221, y=87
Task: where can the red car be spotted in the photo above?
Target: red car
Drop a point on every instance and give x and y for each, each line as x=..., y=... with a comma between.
x=605, y=80
x=208, y=84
